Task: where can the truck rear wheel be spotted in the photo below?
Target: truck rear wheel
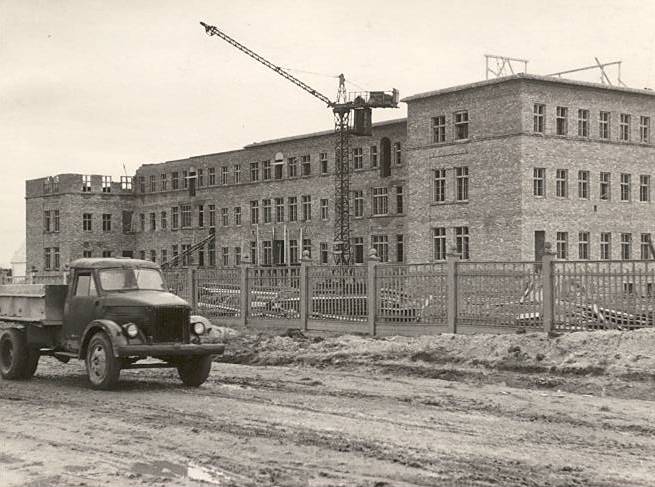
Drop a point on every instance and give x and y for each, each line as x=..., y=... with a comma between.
x=13, y=354
x=102, y=367
x=195, y=370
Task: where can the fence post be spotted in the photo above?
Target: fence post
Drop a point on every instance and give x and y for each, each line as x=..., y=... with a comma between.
x=548, y=300
x=451, y=285
x=371, y=291
x=192, y=276
x=243, y=290
x=304, y=290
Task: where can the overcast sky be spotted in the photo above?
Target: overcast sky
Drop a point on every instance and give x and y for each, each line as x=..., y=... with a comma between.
x=87, y=86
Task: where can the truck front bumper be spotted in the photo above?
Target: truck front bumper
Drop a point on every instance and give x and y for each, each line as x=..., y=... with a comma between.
x=172, y=349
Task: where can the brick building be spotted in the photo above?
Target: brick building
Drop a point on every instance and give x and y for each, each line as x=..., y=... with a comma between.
x=496, y=168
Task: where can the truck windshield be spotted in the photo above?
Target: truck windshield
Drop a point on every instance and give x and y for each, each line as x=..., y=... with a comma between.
x=125, y=279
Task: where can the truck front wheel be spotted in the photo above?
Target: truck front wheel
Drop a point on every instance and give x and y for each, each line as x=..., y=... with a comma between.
x=13, y=354
x=102, y=367
x=195, y=370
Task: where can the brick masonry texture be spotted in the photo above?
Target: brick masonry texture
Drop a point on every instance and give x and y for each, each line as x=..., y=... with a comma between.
x=501, y=212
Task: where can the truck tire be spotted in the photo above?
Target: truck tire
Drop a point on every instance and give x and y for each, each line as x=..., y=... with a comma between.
x=13, y=354
x=102, y=367
x=31, y=363
x=195, y=370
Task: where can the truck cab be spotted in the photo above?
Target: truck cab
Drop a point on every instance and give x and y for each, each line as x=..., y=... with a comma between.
x=113, y=313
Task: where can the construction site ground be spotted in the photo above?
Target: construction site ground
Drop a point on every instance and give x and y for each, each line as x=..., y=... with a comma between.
x=484, y=410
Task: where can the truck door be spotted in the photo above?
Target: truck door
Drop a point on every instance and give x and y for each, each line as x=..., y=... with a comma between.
x=82, y=305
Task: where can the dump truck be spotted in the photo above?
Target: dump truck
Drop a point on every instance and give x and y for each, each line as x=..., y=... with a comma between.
x=113, y=314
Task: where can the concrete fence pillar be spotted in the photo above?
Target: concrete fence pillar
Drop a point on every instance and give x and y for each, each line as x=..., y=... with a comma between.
x=243, y=289
x=305, y=293
x=371, y=291
x=452, y=257
x=548, y=294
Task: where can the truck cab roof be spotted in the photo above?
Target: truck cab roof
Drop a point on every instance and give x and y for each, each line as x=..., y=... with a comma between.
x=111, y=262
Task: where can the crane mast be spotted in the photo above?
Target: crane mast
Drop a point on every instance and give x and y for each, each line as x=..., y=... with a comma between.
x=361, y=105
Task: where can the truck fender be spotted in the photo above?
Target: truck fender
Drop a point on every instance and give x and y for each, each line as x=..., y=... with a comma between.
x=113, y=331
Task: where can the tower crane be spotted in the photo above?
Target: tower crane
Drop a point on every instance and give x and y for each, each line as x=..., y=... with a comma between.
x=360, y=104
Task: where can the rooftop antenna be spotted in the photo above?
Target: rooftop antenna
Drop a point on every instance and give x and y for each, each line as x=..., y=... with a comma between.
x=497, y=66
x=604, y=77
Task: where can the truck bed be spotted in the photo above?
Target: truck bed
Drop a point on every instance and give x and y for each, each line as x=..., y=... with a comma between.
x=33, y=303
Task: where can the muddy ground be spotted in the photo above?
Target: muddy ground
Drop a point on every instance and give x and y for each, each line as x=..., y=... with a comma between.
x=347, y=411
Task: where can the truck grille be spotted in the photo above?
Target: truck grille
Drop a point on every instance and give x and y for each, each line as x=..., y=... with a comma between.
x=169, y=324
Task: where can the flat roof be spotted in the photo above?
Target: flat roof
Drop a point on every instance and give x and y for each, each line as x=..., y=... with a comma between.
x=532, y=77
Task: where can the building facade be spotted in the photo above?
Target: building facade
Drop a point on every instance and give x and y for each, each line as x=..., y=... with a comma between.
x=494, y=168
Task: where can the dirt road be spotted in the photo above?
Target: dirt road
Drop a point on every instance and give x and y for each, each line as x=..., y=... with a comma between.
x=302, y=426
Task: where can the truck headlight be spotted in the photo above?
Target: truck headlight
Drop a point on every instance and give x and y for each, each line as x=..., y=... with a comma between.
x=131, y=329
x=199, y=328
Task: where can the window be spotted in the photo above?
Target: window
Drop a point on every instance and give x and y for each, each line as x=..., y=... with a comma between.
x=87, y=253
x=212, y=176
x=212, y=216
x=358, y=158
x=644, y=187
x=373, y=156
x=561, y=121
x=644, y=129
x=439, y=185
x=605, y=246
x=381, y=245
x=192, y=184
x=307, y=246
x=267, y=257
x=323, y=252
x=292, y=167
x=164, y=256
x=562, y=183
x=583, y=245
x=106, y=222
x=226, y=256
x=47, y=221
x=175, y=180
x=237, y=174
x=164, y=221
x=237, y=215
x=624, y=127
x=538, y=112
x=646, y=254
x=253, y=252
x=400, y=248
x=439, y=129
x=293, y=251
x=324, y=209
x=185, y=179
x=539, y=181
x=224, y=175
x=462, y=179
x=186, y=255
x=625, y=187
x=306, y=165
x=266, y=204
x=254, y=171
x=106, y=184
x=55, y=220
x=380, y=201
x=174, y=254
x=462, y=242
x=562, y=245
x=439, y=243
x=400, y=206
x=306, y=208
x=279, y=210
x=185, y=211
x=461, y=125
x=211, y=253
x=583, y=123
x=86, y=184
x=358, y=198
x=626, y=246
x=201, y=256
x=86, y=222
x=153, y=255
x=163, y=182
x=605, y=186
x=293, y=208
x=224, y=217
x=237, y=255
x=583, y=185
x=201, y=216
x=201, y=179
x=266, y=170
x=397, y=153
x=254, y=212
x=323, y=161
x=51, y=258
x=277, y=169
x=604, y=125
x=175, y=218
x=153, y=184
x=153, y=221
x=106, y=253
x=142, y=222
